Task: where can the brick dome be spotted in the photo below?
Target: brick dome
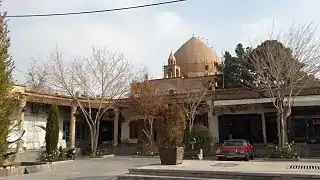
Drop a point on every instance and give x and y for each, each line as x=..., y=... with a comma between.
x=195, y=58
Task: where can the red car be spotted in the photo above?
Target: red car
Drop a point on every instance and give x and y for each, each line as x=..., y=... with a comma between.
x=235, y=149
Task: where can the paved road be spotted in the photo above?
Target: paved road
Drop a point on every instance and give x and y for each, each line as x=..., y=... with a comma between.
x=88, y=169
x=92, y=169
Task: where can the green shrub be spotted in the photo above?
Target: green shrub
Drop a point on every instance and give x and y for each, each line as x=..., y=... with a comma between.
x=285, y=152
x=53, y=156
x=203, y=138
x=172, y=126
x=52, y=130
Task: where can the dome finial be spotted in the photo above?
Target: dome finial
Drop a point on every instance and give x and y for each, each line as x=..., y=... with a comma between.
x=171, y=59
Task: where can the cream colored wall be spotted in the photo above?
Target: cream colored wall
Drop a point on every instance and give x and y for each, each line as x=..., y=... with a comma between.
x=242, y=109
x=34, y=137
x=129, y=116
x=178, y=84
x=125, y=131
x=19, y=89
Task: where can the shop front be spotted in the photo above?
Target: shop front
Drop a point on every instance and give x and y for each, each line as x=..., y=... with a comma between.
x=305, y=125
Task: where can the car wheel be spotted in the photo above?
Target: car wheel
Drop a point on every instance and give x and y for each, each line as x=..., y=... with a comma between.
x=219, y=158
x=246, y=158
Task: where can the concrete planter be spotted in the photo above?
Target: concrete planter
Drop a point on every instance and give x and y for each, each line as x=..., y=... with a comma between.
x=12, y=171
x=171, y=156
x=23, y=168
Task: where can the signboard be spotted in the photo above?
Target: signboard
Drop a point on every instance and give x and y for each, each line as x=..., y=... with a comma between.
x=316, y=121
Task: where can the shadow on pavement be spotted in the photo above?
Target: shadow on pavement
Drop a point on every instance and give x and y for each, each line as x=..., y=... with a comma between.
x=94, y=178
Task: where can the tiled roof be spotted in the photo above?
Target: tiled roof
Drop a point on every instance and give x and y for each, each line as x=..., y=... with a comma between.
x=219, y=94
x=66, y=100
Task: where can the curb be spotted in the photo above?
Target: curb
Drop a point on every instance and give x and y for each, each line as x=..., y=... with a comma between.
x=145, y=157
x=101, y=157
x=59, y=162
x=109, y=155
x=199, y=174
x=280, y=160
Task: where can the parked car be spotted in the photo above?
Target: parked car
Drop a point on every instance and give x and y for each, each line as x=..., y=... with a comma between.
x=236, y=149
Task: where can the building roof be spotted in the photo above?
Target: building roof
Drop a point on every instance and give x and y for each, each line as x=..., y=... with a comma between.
x=194, y=52
x=64, y=100
x=219, y=94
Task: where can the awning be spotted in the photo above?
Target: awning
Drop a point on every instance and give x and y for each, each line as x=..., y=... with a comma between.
x=307, y=103
x=312, y=100
x=242, y=101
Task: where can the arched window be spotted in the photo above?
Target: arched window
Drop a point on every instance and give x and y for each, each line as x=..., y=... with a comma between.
x=206, y=67
x=133, y=130
x=177, y=73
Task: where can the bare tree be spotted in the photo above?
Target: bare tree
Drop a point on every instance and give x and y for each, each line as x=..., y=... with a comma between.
x=146, y=102
x=37, y=77
x=281, y=67
x=193, y=96
x=101, y=79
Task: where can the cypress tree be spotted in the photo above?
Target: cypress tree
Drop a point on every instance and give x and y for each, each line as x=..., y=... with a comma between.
x=52, y=130
x=7, y=103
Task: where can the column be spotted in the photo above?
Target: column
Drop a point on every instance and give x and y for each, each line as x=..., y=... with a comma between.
x=72, y=128
x=22, y=105
x=22, y=110
x=116, y=127
x=125, y=130
x=264, y=132
x=213, y=123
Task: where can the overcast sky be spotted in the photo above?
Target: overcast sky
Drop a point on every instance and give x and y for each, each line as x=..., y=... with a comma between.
x=146, y=36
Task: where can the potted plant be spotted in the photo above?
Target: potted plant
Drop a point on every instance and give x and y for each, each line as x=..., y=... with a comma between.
x=172, y=127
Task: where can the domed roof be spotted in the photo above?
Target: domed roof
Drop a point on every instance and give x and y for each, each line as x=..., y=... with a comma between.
x=194, y=50
x=194, y=54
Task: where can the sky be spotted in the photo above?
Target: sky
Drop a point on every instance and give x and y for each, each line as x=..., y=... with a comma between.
x=145, y=36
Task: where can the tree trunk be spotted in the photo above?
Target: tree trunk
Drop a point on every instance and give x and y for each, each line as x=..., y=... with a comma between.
x=93, y=140
x=283, y=129
x=191, y=121
x=279, y=129
x=151, y=137
x=289, y=125
x=97, y=135
x=148, y=132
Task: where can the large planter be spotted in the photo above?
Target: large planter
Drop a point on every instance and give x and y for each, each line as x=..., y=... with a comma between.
x=171, y=156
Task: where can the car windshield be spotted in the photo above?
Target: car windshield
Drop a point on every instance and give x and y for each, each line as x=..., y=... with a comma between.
x=235, y=143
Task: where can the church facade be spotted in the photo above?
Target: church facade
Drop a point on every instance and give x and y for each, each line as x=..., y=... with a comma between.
x=240, y=112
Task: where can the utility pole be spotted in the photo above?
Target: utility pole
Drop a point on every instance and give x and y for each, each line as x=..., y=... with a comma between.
x=222, y=63
x=222, y=74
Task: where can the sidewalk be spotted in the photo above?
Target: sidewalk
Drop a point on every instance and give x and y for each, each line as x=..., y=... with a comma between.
x=311, y=168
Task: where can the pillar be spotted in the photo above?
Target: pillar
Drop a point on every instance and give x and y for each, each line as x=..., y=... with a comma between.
x=72, y=127
x=116, y=127
x=213, y=123
x=264, y=131
x=125, y=130
x=22, y=105
x=22, y=110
